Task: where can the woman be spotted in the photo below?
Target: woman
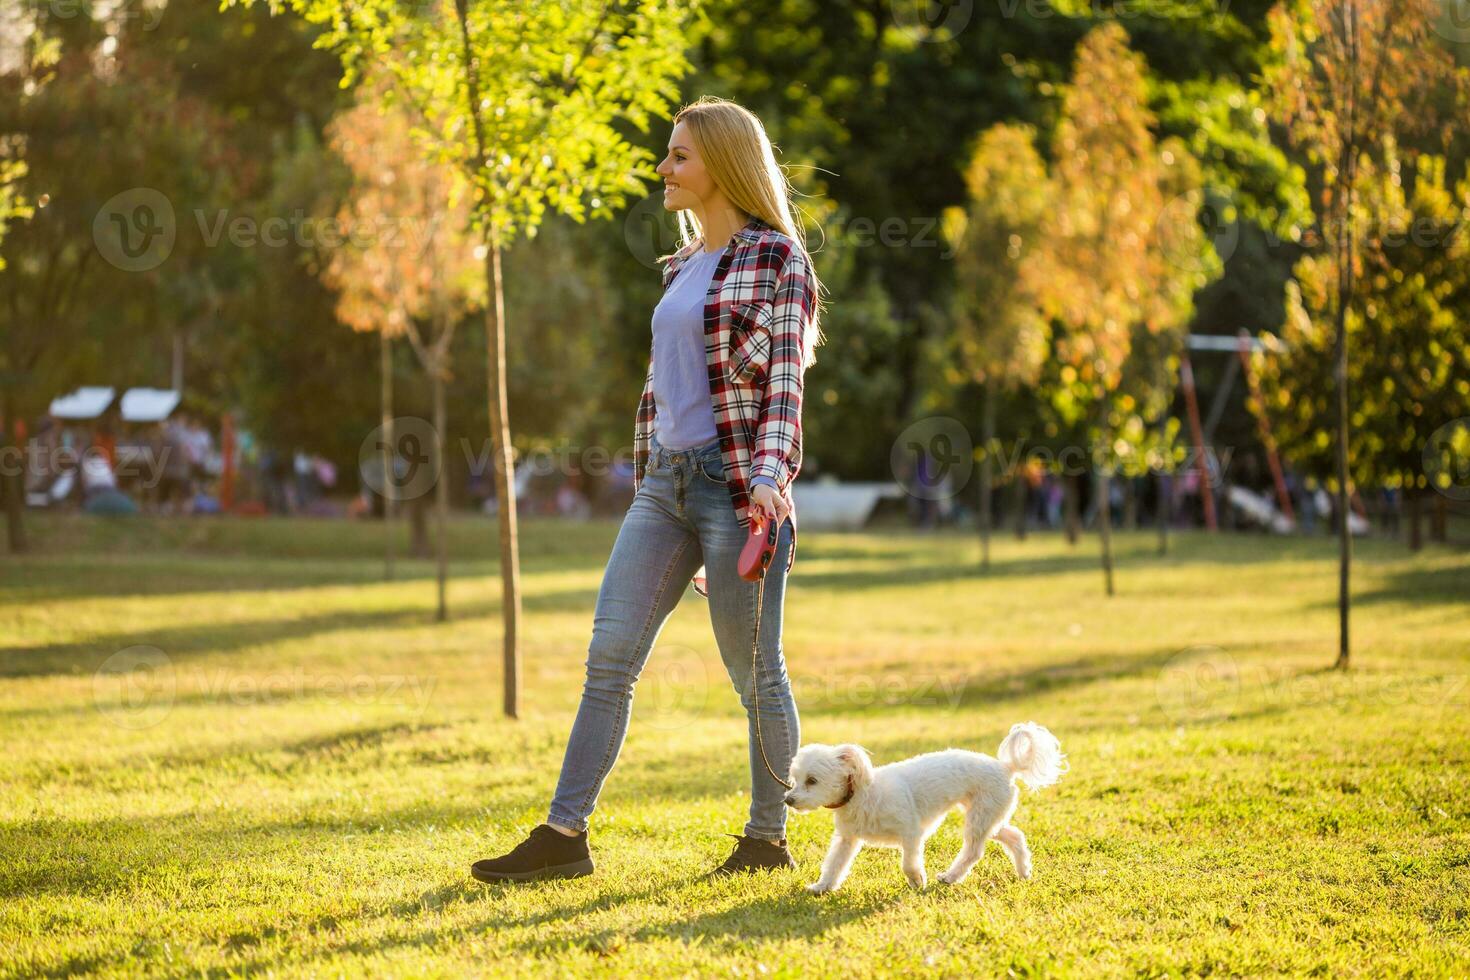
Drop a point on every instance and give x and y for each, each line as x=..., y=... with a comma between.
x=717, y=434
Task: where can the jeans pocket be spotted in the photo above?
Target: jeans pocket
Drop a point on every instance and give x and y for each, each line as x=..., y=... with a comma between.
x=713, y=469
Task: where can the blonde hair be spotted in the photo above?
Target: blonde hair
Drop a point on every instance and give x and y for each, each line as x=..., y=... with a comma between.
x=733, y=144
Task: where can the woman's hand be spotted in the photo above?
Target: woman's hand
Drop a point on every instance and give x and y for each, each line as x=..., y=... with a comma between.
x=772, y=504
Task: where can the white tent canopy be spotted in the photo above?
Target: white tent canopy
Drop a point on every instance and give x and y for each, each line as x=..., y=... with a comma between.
x=148, y=404
x=84, y=403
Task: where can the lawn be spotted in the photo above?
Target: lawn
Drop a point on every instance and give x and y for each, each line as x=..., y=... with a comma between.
x=299, y=774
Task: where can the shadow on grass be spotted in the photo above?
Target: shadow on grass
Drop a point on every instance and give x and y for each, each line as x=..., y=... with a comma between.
x=794, y=914
x=92, y=857
x=183, y=642
x=1414, y=586
x=187, y=574
x=1132, y=553
x=996, y=688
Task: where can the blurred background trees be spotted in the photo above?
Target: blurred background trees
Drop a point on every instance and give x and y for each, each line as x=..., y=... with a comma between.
x=1168, y=169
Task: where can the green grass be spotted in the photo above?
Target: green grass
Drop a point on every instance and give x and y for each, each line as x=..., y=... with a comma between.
x=302, y=786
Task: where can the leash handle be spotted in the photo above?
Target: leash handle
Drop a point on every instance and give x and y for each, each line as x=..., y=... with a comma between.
x=760, y=546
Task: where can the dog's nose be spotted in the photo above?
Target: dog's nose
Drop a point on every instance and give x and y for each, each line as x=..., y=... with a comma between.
x=788, y=800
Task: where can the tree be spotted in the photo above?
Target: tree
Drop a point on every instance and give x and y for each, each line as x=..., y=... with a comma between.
x=24, y=61
x=1410, y=310
x=412, y=259
x=526, y=100
x=1124, y=252
x=999, y=336
x=89, y=275
x=1350, y=76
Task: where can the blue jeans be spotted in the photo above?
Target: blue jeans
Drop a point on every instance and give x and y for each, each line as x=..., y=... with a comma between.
x=680, y=518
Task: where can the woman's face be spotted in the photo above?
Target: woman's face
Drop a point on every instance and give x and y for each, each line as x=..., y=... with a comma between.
x=687, y=185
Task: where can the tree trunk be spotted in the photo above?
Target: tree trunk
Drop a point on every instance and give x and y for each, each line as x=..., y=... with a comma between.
x=385, y=391
x=1162, y=512
x=418, y=527
x=1346, y=182
x=1416, y=540
x=1440, y=519
x=1163, y=485
x=441, y=490
x=1072, y=520
x=15, y=501
x=15, y=481
x=987, y=472
x=1018, y=484
x=510, y=568
x=1105, y=526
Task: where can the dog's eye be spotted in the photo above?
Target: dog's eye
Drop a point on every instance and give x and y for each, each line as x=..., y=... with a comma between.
x=811, y=780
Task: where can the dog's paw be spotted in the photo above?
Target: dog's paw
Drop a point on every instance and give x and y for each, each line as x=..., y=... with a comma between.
x=918, y=881
x=818, y=888
x=949, y=877
x=1022, y=864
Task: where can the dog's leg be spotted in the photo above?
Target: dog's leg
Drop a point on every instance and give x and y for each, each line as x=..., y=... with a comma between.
x=913, y=861
x=980, y=826
x=836, y=864
x=970, y=852
x=1015, y=844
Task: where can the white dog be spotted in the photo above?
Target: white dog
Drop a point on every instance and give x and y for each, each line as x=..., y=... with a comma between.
x=902, y=803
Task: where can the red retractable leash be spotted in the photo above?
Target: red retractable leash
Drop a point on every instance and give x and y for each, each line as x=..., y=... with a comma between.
x=755, y=558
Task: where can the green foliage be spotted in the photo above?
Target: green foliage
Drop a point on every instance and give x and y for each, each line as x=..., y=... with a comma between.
x=1355, y=82
x=75, y=313
x=526, y=99
x=27, y=58
x=411, y=257
x=1407, y=324
x=1121, y=260
x=13, y=205
x=998, y=332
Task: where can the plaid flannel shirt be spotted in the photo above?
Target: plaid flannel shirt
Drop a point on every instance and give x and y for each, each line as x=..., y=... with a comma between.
x=760, y=299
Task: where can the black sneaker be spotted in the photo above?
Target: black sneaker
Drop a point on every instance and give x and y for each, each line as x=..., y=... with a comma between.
x=754, y=854
x=545, y=853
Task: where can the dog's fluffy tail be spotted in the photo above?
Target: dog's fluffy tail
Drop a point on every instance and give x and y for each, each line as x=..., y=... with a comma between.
x=1033, y=754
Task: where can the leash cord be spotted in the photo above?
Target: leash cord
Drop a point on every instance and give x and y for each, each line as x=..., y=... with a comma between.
x=755, y=682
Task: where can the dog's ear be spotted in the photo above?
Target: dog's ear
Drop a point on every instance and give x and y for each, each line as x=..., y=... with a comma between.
x=855, y=760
